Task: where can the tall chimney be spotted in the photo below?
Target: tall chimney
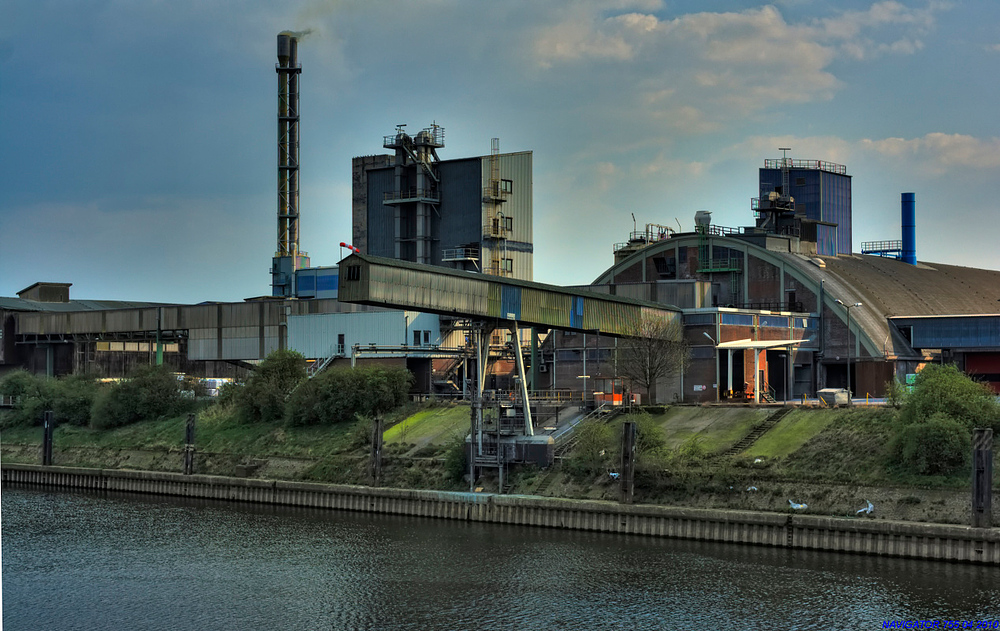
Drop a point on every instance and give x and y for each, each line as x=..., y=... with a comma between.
x=288, y=145
x=286, y=256
x=909, y=223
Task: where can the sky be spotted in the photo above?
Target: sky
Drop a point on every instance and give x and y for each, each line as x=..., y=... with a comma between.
x=139, y=143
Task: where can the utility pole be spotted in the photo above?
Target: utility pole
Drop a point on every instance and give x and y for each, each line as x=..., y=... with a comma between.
x=982, y=478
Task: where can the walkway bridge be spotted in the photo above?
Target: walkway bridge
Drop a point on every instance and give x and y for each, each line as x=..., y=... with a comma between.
x=494, y=302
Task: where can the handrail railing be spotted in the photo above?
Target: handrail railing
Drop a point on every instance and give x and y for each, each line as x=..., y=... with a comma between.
x=820, y=165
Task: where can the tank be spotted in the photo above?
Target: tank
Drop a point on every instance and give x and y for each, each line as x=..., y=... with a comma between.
x=909, y=224
x=703, y=218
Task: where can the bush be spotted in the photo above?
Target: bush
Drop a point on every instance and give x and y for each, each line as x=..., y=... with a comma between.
x=262, y=398
x=34, y=397
x=937, y=446
x=895, y=394
x=946, y=390
x=338, y=395
x=73, y=398
x=149, y=393
x=456, y=457
x=595, y=448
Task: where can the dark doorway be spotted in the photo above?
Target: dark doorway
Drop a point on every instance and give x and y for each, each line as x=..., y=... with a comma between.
x=777, y=374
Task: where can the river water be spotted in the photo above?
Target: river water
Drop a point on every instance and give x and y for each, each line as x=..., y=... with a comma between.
x=87, y=561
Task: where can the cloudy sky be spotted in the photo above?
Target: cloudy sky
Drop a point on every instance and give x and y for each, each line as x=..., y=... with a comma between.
x=139, y=137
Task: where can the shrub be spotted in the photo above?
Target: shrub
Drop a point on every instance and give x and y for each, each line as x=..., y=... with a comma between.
x=456, y=457
x=895, y=394
x=73, y=398
x=594, y=451
x=937, y=446
x=149, y=393
x=262, y=398
x=34, y=397
x=338, y=395
x=946, y=390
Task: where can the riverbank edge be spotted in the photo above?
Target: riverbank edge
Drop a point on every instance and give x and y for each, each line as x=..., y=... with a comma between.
x=940, y=542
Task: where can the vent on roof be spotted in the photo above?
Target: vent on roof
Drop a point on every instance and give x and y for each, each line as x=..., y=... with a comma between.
x=46, y=292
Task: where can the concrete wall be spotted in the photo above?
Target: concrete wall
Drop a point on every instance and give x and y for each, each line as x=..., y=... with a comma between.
x=878, y=538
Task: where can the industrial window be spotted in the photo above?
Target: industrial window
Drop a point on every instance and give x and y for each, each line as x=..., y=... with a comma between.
x=506, y=186
x=353, y=272
x=774, y=321
x=427, y=338
x=702, y=352
x=738, y=319
x=699, y=318
x=340, y=343
x=507, y=265
x=665, y=267
x=800, y=181
x=416, y=338
x=508, y=223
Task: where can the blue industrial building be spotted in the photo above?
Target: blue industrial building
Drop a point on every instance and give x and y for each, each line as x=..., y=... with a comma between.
x=820, y=193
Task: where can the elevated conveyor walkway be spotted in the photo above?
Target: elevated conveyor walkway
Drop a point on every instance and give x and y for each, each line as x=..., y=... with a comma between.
x=384, y=282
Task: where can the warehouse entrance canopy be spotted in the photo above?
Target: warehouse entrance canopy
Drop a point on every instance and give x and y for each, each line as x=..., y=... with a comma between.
x=385, y=282
x=758, y=344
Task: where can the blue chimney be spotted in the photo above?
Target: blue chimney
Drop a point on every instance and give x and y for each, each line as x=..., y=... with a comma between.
x=909, y=221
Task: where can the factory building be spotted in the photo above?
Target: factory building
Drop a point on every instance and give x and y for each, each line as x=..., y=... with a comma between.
x=820, y=192
x=770, y=313
x=773, y=311
x=473, y=214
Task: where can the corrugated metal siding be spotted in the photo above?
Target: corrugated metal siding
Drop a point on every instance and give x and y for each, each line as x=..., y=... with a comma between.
x=202, y=316
x=954, y=332
x=240, y=314
x=461, y=207
x=417, y=289
x=240, y=348
x=493, y=300
x=87, y=322
x=123, y=321
x=541, y=306
x=315, y=336
x=203, y=349
x=510, y=302
x=638, y=291
x=381, y=225
x=517, y=167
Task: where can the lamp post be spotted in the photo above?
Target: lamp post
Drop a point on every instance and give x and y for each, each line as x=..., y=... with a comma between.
x=848, y=307
x=712, y=339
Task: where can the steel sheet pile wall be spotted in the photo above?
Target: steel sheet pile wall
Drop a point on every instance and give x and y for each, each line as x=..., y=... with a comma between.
x=862, y=536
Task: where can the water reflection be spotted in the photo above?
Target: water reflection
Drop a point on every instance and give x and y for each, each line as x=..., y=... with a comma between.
x=86, y=561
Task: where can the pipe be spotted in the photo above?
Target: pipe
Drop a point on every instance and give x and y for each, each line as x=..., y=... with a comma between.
x=909, y=224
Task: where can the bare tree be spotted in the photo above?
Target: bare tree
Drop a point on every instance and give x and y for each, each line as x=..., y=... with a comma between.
x=655, y=349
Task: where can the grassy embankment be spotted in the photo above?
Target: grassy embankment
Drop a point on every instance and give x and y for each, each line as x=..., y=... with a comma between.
x=833, y=460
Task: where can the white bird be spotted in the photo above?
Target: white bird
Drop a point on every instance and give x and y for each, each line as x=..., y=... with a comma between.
x=798, y=506
x=751, y=488
x=867, y=510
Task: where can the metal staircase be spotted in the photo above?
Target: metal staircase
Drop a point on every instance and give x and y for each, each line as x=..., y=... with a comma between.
x=757, y=432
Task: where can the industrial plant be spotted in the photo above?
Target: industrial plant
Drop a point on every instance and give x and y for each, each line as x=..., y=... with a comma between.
x=439, y=280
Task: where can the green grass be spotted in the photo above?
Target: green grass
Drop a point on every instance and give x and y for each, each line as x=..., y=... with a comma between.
x=791, y=433
x=715, y=429
x=216, y=430
x=435, y=425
